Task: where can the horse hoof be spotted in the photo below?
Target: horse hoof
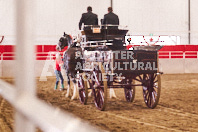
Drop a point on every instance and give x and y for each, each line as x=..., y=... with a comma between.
x=113, y=97
x=74, y=98
x=90, y=94
x=67, y=96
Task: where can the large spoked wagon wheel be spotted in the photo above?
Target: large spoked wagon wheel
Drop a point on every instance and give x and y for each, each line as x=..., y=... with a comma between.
x=83, y=90
x=129, y=91
x=99, y=87
x=151, y=89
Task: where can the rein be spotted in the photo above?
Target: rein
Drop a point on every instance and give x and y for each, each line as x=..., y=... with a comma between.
x=72, y=44
x=2, y=39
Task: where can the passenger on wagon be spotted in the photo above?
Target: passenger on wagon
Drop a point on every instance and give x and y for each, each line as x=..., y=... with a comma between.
x=88, y=18
x=111, y=19
x=58, y=73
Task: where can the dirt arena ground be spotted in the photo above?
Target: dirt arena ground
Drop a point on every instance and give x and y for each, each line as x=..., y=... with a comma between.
x=176, y=111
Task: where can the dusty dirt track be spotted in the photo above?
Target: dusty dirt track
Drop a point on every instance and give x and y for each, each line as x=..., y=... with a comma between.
x=176, y=111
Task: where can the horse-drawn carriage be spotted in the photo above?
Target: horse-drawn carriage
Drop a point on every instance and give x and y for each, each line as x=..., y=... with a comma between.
x=105, y=62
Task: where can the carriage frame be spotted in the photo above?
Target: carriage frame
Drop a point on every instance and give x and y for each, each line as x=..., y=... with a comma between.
x=103, y=74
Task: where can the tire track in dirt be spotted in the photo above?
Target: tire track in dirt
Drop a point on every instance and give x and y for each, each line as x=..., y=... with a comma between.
x=6, y=124
x=174, y=112
x=177, y=112
x=169, y=115
x=171, y=110
x=145, y=123
x=138, y=121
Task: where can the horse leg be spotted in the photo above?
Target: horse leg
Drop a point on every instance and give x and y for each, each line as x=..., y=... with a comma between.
x=112, y=93
x=68, y=94
x=75, y=90
x=111, y=90
x=90, y=93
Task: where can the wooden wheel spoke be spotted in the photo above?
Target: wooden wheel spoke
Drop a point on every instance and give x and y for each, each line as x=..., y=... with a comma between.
x=149, y=77
x=144, y=76
x=101, y=98
x=101, y=94
x=155, y=93
x=153, y=97
x=96, y=78
x=99, y=101
x=155, y=86
x=155, y=81
x=84, y=94
x=155, y=75
x=98, y=97
x=148, y=99
x=130, y=94
x=146, y=94
x=140, y=77
x=138, y=80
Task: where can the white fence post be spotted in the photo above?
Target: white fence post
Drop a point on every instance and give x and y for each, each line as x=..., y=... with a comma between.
x=184, y=55
x=169, y=54
x=197, y=54
x=25, y=81
x=31, y=111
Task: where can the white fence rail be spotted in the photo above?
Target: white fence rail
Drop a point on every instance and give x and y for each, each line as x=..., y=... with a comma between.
x=46, y=117
x=30, y=111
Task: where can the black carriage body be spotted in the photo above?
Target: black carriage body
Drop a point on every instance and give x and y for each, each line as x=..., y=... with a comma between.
x=123, y=61
x=112, y=58
x=135, y=62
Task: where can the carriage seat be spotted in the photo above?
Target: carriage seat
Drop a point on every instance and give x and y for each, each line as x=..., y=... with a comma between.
x=104, y=34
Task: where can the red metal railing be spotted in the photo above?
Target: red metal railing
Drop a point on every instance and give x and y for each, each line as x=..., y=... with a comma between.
x=44, y=52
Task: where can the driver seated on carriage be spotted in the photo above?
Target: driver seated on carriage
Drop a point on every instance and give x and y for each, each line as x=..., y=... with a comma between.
x=88, y=18
x=110, y=19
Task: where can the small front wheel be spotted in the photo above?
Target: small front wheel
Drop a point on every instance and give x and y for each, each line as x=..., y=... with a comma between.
x=83, y=90
x=129, y=92
x=100, y=88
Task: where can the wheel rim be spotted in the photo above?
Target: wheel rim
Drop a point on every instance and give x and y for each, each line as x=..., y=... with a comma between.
x=100, y=92
x=99, y=100
x=151, y=89
x=129, y=92
x=82, y=95
x=82, y=90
